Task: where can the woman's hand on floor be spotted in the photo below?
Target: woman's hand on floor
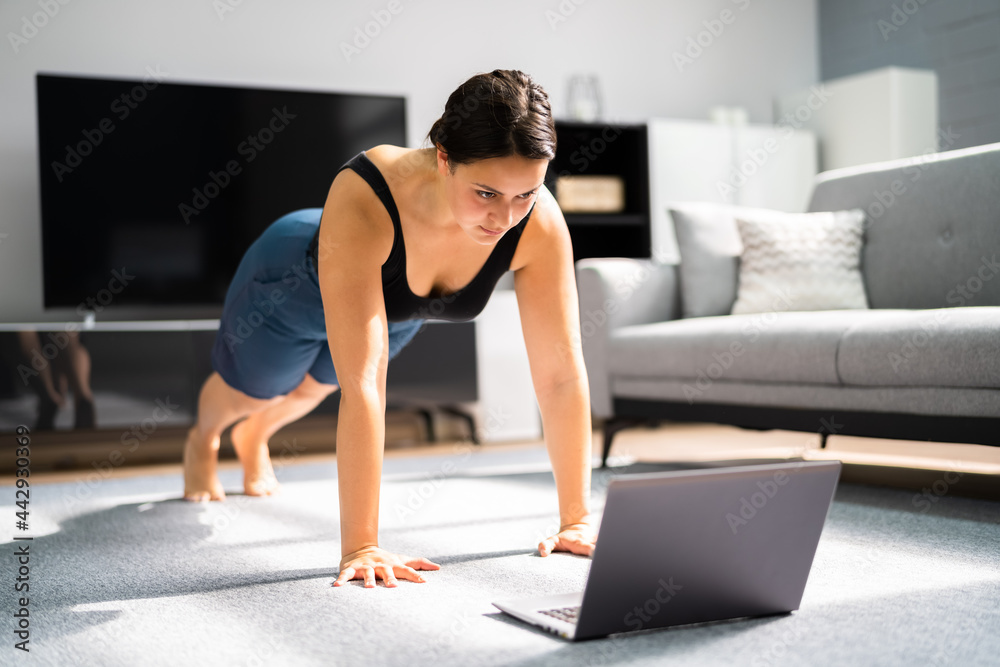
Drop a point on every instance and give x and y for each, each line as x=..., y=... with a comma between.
x=371, y=563
x=577, y=538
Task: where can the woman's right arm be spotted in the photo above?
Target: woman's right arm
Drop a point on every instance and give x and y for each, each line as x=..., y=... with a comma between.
x=353, y=244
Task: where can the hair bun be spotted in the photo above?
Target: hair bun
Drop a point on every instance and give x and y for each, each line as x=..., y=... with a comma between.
x=498, y=114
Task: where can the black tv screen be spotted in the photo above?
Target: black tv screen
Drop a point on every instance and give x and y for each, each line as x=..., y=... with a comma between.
x=171, y=182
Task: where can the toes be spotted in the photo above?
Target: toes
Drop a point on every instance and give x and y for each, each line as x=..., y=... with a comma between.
x=262, y=487
x=204, y=496
x=261, y=482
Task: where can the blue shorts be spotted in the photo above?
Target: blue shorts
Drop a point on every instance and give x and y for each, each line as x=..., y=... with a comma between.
x=273, y=330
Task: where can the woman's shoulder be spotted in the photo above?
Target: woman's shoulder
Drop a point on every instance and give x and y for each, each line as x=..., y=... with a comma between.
x=401, y=168
x=359, y=218
x=384, y=152
x=544, y=232
x=399, y=165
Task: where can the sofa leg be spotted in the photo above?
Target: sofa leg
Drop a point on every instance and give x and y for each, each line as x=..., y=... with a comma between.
x=611, y=427
x=822, y=440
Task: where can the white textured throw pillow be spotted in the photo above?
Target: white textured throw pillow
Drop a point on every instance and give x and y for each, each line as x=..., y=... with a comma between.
x=801, y=261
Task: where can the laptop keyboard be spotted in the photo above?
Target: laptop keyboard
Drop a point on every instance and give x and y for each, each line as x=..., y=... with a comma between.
x=567, y=614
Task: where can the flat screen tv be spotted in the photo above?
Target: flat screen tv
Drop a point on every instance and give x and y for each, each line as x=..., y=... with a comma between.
x=171, y=182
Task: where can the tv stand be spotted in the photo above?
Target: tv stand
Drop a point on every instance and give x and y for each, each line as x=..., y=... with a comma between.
x=475, y=371
x=426, y=413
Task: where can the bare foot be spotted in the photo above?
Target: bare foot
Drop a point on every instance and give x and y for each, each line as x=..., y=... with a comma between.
x=201, y=481
x=258, y=474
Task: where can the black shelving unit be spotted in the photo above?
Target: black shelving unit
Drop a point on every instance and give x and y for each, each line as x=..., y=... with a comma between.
x=606, y=149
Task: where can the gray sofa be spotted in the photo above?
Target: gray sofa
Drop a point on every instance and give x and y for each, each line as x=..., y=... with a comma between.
x=921, y=363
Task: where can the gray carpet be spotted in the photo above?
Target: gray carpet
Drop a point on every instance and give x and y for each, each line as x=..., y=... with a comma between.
x=125, y=573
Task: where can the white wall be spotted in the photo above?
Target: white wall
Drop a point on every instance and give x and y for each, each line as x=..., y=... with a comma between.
x=428, y=48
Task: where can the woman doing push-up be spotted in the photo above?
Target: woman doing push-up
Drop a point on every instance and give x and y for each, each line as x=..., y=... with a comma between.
x=405, y=235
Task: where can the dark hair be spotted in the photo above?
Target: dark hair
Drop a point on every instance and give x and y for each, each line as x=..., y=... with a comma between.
x=499, y=114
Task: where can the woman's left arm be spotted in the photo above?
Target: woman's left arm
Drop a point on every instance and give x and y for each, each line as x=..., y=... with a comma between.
x=550, y=319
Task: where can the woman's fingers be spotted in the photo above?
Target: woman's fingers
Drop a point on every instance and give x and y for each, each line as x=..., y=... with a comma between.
x=385, y=566
x=387, y=576
x=422, y=564
x=571, y=541
x=409, y=573
x=346, y=575
x=545, y=547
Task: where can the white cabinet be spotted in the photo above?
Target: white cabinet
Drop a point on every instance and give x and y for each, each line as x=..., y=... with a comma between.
x=884, y=114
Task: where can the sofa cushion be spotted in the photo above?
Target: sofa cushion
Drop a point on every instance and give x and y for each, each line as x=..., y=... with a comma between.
x=710, y=248
x=933, y=226
x=796, y=347
x=940, y=401
x=944, y=347
x=811, y=258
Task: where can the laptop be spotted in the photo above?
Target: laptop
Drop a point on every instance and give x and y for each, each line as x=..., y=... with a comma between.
x=693, y=546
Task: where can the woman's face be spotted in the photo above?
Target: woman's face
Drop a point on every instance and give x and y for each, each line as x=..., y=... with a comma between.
x=492, y=195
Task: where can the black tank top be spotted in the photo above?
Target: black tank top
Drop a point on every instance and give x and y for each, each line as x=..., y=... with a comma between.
x=401, y=303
